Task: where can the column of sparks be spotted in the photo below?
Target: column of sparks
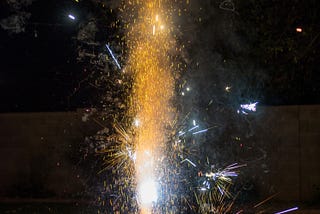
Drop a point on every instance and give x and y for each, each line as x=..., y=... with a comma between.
x=149, y=42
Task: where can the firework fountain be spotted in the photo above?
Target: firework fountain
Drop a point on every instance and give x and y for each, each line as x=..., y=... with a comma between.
x=155, y=155
x=154, y=146
x=153, y=150
x=153, y=87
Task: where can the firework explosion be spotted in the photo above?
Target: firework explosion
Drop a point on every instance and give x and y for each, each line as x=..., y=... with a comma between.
x=157, y=152
x=152, y=151
x=156, y=140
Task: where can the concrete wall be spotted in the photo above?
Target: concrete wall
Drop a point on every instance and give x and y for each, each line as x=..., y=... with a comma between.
x=290, y=136
x=309, y=136
x=39, y=153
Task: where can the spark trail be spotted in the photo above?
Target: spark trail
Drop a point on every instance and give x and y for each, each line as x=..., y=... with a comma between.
x=149, y=42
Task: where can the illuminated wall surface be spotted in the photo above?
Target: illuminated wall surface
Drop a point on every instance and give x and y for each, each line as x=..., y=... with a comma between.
x=40, y=155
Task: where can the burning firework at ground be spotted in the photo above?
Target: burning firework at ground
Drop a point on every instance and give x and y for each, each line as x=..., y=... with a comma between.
x=161, y=147
x=154, y=153
x=159, y=142
x=175, y=97
x=155, y=145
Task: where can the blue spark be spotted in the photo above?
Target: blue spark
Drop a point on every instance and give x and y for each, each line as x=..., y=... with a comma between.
x=113, y=57
x=220, y=190
x=288, y=210
x=201, y=131
x=181, y=133
x=193, y=128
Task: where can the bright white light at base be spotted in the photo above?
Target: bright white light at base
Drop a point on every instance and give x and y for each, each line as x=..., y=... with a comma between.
x=148, y=192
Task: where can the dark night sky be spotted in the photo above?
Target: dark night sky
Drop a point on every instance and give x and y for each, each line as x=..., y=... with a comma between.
x=41, y=73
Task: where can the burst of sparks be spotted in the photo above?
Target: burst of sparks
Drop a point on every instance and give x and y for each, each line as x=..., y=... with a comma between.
x=245, y=108
x=119, y=150
x=213, y=195
x=139, y=151
x=223, y=177
x=250, y=106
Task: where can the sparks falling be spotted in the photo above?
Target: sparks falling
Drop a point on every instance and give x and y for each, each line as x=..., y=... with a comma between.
x=153, y=87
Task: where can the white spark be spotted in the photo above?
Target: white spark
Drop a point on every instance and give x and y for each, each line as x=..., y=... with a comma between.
x=113, y=57
x=189, y=161
x=193, y=128
x=201, y=131
x=181, y=133
x=71, y=17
